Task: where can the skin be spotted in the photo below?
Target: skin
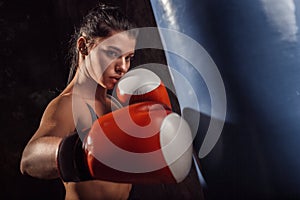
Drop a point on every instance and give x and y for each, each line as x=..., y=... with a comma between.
x=100, y=67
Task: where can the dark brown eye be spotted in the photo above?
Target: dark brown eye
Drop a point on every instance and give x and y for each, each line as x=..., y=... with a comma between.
x=112, y=54
x=129, y=58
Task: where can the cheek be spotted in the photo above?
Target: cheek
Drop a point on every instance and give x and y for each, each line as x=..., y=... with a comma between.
x=98, y=65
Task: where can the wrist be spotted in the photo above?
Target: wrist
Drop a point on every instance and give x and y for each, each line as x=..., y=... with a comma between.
x=71, y=162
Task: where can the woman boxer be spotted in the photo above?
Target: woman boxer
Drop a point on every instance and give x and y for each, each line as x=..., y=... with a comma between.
x=68, y=142
x=98, y=63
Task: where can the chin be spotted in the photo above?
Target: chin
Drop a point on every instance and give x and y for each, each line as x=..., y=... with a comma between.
x=110, y=86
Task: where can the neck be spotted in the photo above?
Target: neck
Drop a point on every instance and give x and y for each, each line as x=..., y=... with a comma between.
x=87, y=88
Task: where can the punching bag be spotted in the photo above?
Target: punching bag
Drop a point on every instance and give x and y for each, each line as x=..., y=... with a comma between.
x=235, y=68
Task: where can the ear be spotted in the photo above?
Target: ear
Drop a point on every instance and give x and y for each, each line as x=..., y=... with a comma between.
x=82, y=46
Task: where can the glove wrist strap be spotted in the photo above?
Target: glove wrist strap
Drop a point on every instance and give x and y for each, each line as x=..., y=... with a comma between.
x=71, y=160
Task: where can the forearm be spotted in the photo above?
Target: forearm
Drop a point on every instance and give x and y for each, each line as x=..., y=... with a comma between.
x=39, y=158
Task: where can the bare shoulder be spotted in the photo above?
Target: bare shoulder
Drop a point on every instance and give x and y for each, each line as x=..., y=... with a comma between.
x=59, y=108
x=57, y=119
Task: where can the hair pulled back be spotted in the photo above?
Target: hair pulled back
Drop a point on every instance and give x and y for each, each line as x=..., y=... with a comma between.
x=100, y=21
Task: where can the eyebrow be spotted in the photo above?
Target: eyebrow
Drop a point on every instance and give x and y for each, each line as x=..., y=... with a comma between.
x=119, y=50
x=115, y=48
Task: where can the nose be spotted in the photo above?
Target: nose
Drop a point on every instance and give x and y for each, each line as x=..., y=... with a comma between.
x=122, y=66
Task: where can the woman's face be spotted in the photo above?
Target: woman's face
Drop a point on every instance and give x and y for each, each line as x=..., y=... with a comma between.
x=109, y=59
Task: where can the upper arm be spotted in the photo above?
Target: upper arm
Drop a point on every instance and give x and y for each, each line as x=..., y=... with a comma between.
x=39, y=156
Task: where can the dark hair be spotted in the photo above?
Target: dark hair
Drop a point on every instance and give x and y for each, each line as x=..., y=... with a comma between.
x=100, y=21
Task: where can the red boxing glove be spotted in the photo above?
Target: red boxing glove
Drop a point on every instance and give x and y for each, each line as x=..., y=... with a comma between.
x=140, y=85
x=153, y=145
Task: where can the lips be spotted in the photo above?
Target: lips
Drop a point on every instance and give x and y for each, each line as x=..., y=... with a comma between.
x=115, y=79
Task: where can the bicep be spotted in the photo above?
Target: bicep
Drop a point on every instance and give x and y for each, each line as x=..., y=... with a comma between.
x=39, y=155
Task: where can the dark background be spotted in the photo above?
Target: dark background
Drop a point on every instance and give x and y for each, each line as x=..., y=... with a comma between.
x=256, y=158
x=34, y=37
